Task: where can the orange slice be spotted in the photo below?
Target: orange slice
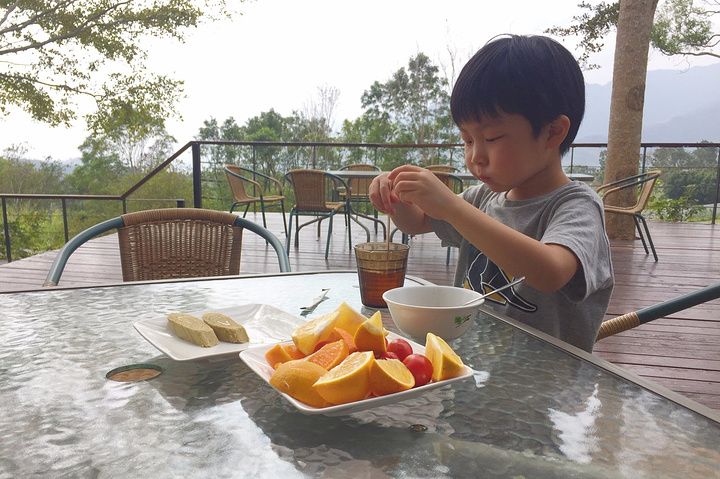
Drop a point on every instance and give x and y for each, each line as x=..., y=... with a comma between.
x=282, y=353
x=277, y=355
x=349, y=320
x=293, y=351
x=347, y=337
x=307, y=335
x=446, y=363
x=370, y=336
x=296, y=379
x=389, y=376
x=348, y=381
x=330, y=355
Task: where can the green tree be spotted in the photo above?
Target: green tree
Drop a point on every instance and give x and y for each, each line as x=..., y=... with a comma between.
x=53, y=52
x=101, y=171
x=679, y=28
x=415, y=101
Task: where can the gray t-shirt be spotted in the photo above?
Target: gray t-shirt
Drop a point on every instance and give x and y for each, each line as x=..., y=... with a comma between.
x=572, y=216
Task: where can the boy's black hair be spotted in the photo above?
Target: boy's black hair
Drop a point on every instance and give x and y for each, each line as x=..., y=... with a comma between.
x=533, y=76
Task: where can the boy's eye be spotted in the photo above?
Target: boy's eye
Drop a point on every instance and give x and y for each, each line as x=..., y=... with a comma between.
x=490, y=140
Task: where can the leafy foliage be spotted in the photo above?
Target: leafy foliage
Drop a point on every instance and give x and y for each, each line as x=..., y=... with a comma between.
x=53, y=52
x=679, y=28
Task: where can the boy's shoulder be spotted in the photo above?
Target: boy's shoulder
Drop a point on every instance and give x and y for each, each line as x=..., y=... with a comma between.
x=575, y=189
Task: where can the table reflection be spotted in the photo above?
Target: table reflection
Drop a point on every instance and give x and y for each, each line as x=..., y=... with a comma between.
x=532, y=409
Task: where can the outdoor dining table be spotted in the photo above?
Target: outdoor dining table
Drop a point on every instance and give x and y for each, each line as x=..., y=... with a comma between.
x=533, y=406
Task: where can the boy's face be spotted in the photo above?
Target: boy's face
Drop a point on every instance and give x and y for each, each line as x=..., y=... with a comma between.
x=503, y=153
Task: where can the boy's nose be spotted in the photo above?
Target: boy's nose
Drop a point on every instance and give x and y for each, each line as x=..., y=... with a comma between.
x=476, y=155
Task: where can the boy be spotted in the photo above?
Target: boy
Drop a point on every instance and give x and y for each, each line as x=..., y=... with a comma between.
x=518, y=104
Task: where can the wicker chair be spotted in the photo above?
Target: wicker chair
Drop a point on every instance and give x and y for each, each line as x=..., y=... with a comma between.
x=311, y=191
x=173, y=243
x=237, y=180
x=645, y=182
x=660, y=310
x=442, y=168
x=359, y=188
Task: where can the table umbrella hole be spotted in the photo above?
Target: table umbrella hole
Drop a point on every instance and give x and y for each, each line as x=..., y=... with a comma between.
x=134, y=372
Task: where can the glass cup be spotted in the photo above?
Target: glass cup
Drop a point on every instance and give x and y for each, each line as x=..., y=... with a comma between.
x=380, y=270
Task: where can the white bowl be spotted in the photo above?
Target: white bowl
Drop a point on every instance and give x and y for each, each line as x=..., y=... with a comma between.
x=418, y=310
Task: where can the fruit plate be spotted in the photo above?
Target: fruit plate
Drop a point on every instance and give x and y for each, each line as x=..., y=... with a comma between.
x=264, y=324
x=254, y=357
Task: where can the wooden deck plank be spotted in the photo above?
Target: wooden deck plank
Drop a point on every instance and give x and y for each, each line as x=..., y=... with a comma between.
x=680, y=352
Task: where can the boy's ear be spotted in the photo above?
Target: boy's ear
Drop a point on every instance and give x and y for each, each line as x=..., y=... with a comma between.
x=557, y=131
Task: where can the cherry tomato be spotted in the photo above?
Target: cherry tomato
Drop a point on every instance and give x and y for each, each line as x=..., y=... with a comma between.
x=420, y=367
x=400, y=347
x=389, y=355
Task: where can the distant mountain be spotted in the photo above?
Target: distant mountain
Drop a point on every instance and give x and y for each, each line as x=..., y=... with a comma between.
x=680, y=106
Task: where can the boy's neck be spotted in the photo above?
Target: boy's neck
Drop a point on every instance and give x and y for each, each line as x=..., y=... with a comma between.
x=545, y=181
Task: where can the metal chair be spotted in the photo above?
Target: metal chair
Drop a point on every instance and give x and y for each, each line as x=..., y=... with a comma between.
x=630, y=320
x=311, y=191
x=173, y=243
x=645, y=182
x=359, y=189
x=237, y=177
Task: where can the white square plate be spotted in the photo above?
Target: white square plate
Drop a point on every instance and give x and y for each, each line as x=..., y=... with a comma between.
x=264, y=324
x=255, y=359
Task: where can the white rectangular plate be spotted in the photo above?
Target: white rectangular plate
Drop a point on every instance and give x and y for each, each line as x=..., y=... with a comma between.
x=264, y=324
x=255, y=359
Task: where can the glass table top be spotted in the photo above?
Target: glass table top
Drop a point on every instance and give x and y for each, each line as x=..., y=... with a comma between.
x=531, y=409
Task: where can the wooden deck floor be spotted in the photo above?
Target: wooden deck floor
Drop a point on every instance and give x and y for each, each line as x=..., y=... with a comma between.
x=680, y=352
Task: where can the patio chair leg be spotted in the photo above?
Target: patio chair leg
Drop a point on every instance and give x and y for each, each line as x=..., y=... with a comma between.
x=262, y=209
x=287, y=237
x=282, y=208
x=247, y=207
x=647, y=233
x=640, y=233
x=329, y=233
x=347, y=215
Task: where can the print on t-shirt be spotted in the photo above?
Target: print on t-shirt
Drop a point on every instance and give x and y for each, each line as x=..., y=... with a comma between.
x=484, y=276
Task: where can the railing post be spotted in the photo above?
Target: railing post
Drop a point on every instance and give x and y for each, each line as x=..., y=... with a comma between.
x=65, y=225
x=644, y=159
x=180, y=203
x=197, y=176
x=717, y=189
x=6, y=229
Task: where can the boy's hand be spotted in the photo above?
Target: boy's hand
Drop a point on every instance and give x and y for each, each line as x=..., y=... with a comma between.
x=381, y=195
x=420, y=187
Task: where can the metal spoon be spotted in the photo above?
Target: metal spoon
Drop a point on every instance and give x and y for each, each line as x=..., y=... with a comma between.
x=512, y=283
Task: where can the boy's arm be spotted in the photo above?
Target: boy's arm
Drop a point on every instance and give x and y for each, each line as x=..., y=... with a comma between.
x=546, y=267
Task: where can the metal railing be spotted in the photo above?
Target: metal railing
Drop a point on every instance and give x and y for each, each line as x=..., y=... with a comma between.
x=196, y=167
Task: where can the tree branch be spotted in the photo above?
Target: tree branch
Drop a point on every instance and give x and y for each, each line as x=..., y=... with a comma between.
x=89, y=23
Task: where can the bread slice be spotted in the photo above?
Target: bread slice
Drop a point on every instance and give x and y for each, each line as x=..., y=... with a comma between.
x=193, y=329
x=225, y=328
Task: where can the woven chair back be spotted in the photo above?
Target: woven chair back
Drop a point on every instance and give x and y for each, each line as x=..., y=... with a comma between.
x=237, y=186
x=452, y=182
x=441, y=168
x=361, y=167
x=179, y=243
x=646, y=191
x=310, y=190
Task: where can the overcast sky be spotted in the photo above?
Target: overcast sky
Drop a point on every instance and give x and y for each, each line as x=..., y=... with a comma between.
x=279, y=52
